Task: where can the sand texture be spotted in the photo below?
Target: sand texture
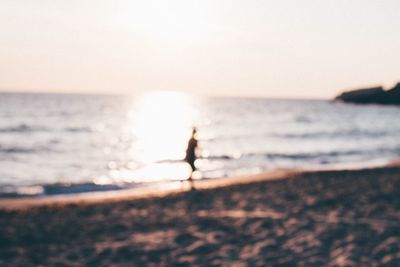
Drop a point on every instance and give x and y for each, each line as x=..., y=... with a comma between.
x=329, y=218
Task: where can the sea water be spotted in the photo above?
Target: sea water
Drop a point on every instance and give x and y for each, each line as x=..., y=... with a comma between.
x=63, y=143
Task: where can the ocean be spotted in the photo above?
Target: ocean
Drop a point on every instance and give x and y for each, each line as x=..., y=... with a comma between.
x=54, y=144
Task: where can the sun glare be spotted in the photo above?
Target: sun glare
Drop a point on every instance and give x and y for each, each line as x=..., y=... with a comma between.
x=162, y=126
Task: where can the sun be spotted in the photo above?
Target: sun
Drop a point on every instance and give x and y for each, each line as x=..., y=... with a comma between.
x=173, y=19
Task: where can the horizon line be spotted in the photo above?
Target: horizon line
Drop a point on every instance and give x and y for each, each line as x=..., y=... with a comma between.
x=102, y=93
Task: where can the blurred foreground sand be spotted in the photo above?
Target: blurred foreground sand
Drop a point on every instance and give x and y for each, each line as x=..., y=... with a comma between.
x=325, y=218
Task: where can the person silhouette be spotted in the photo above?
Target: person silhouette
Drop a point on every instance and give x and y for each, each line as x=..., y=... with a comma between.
x=191, y=155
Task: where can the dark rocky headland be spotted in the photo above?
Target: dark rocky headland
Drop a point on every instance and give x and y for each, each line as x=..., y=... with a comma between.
x=375, y=95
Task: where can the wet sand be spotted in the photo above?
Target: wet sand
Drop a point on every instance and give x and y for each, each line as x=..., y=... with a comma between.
x=323, y=218
x=153, y=190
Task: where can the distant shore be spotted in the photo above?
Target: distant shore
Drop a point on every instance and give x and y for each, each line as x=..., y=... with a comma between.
x=338, y=218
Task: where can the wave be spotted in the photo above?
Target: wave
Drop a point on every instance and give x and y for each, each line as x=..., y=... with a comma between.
x=304, y=155
x=56, y=189
x=22, y=150
x=77, y=129
x=281, y=155
x=220, y=157
x=22, y=128
x=16, y=150
x=335, y=134
x=301, y=135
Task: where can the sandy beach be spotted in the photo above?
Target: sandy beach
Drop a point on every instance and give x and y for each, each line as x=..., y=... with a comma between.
x=321, y=218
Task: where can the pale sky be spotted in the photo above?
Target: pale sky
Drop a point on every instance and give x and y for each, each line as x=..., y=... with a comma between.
x=285, y=48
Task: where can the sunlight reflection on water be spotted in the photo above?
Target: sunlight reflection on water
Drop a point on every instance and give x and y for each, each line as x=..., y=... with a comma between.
x=160, y=124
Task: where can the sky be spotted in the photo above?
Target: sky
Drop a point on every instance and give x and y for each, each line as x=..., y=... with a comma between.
x=285, y=48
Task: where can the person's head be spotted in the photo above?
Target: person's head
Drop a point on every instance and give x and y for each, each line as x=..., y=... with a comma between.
x=194, y=131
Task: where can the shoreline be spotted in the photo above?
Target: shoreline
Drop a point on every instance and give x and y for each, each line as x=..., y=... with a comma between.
x=158, y=190
x=169, y=188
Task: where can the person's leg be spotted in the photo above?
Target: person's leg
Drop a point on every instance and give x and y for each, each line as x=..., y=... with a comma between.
x=191, y=182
